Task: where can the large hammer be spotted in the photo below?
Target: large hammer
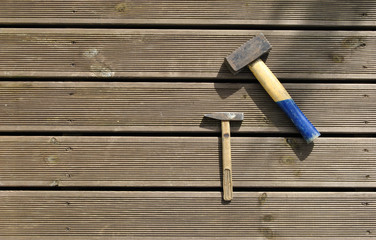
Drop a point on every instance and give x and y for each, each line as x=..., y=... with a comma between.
x=249, y=54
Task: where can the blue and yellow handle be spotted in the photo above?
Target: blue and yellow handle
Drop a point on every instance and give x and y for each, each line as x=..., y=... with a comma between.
x=279, y=94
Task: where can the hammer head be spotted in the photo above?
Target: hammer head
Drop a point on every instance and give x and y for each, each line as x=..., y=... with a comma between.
x=226, y=116
x=257, y=47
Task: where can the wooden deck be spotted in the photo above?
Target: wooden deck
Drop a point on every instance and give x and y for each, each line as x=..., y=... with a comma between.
x=102, y=134
x=179, y=107
x=185, y=161
x=162, y=53
x=155, y=13
x=186, y=215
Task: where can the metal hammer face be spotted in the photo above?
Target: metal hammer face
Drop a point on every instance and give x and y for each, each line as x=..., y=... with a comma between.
x=225, y=118
x=257, y=47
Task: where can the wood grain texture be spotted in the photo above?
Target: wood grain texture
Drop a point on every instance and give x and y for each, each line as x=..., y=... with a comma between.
x=155, y=107
x=185, y=162
x=204, y=12
x=186, y=215
x=149, y=53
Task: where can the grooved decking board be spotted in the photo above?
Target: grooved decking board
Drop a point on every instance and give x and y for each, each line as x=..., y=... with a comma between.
x=185, y=161
x=109, y=53
x=155, y=107
x=186, y=215
x=220, y=12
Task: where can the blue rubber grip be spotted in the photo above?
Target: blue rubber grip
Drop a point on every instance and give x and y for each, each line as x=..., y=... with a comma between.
x=305, y=127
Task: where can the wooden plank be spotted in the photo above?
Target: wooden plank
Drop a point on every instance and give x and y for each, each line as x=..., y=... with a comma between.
x=131, y=53
x=155, y=107
x=186, y=215
x=204, y=12
x=185, y=162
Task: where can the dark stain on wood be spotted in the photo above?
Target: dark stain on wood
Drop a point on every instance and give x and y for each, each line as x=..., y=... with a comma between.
x=53, y=140
x=262, y=198
x=51, y=160
x=301, y=149
x=354, y=42
x=297, y=173
x=121, y=7
x=287, y=160
x=268, y=218
x=337, y=58
x=268, y=233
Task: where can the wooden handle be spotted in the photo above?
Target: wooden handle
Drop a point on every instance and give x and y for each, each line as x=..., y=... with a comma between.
x=226, y=160
x=279, y=94
x=269, y=81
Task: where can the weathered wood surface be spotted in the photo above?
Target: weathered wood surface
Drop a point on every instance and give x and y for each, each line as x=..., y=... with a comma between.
x=205, y=12
x=109, y=53
x=186, y=215
x=185, y=161
x=150, y=107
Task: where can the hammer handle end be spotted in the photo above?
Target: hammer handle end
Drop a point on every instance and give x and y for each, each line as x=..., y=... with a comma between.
x=279, y=94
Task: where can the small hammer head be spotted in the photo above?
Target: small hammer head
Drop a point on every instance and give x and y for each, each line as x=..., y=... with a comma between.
x=257, y=47
x=226, y=116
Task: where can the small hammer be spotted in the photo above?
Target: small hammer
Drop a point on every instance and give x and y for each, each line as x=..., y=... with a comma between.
x=249, y=54
x=225, y=118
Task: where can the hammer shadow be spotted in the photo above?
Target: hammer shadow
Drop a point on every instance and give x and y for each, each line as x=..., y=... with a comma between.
x=225, y=74
x=301, y=149
x=224, y=90
x=273, y=116
x=210, y=124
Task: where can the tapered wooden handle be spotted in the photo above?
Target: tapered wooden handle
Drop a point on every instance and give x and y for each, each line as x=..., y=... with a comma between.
x=279, y=94
x=226, y=160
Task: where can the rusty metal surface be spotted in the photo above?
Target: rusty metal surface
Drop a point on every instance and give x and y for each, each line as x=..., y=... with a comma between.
x=253, y=49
